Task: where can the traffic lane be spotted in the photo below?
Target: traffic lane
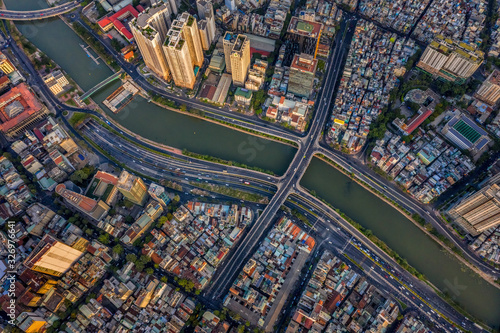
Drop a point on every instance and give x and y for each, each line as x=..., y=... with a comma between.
x=415, y=292
x=228, y=273
x=190, y=181
x=201, y=163
x=450, y=312
x=410, y=204
x=403, y=291
x=161, y=168
x=278, y=199
x=174, y=160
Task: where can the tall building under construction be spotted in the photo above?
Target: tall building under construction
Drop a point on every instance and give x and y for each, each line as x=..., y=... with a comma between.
x=306, y=33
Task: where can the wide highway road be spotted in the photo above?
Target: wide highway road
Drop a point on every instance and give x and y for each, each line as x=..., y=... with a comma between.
x=230, y=268
x=41, y=14
x=155, y=166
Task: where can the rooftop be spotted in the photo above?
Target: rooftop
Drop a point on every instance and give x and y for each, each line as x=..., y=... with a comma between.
x=126, y=181
x=243, y=92
x=417, y=120
x=11, y=103
x=116, y=18
x=305, y=28
x=142, y=21
x=495, y=77
x=304, y=62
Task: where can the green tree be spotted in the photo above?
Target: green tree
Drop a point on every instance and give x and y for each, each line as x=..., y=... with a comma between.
x=128, y=204
x=139, y=266
x=150, y=271
x=131, y=257
x=79, y=177
x=145, y=259
x=118, y=249
x=161, y=221
x=89, y=232
x=104, y=238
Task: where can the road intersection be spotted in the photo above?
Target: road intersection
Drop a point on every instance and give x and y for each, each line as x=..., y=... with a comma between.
x=286, y=186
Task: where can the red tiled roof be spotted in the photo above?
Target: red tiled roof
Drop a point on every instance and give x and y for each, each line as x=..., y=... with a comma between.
x=22, y=94
x=104, y=22
x=4, y=80
x=120, y=15
x=156, y=258
x=106, y=177
x=38, y=134
x=129, y=55
x=416, y=121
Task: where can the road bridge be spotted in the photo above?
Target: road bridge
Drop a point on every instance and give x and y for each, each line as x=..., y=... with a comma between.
x=287, y=183
x=15, y=15
x=101, y=84
x=228, y=271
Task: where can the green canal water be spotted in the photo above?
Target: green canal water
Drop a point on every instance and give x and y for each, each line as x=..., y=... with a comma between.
x=61, y=44
x=476, y=295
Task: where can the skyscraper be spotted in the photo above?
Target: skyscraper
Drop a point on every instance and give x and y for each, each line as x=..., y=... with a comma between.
x=302, y=72
x=52, y=257
x=206, y=13
x=479, y=211
x=205, y=39
x=150, y=29
x=179, y=59
x=174, y=5
x=132, y=188
x=240, y=60
x=188, y=26
x=228, y=43
x=230, y=4
x=183, y=50
x=306, y=33
x=489, y=91
x=450, y=60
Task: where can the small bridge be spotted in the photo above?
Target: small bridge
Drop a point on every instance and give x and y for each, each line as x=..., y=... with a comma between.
x=101, y=84
x=41, y=14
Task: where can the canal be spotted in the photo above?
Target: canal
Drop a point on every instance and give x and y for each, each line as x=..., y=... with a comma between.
x=476, y=295
x=61, y=44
